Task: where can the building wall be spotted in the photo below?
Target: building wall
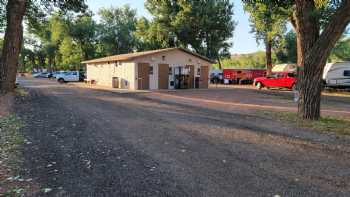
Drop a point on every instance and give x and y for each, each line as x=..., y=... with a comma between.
x=173, y=59
x=127, y=71
x=103, y=74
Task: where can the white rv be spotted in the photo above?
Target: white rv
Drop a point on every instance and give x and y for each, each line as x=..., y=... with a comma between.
x=337, y=74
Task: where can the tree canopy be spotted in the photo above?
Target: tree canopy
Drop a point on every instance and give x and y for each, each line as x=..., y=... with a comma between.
x=205, y=26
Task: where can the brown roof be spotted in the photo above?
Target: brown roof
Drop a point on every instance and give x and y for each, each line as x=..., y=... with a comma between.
x=131, y=56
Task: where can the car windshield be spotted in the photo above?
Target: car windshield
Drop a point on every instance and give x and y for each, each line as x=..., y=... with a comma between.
x=274, y=75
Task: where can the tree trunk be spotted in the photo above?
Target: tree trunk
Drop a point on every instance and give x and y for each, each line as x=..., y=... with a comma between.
x=15, y=11
x=293, y=21
x=49, y=69
x=219, y=62
x=268, y=56
x=314, y=51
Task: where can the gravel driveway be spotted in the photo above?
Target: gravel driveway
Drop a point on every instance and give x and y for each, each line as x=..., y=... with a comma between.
x=97, y=143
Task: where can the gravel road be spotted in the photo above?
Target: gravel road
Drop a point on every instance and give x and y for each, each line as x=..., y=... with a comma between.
x=87, y=142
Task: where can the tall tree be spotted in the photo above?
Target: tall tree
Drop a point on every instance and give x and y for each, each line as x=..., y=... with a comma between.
x=83, y=31
x=116, y=30
x=314, y=46
x=150, y=35
x=269, y=24
x=15, y=11
x=204, y=26
x=286, y=51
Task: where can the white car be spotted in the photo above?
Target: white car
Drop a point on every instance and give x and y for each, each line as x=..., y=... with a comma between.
x=70, y=76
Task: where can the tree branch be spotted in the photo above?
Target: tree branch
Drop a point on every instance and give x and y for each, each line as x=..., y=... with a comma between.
x=333, y=31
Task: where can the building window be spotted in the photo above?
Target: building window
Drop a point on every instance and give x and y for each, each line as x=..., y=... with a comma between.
x=151, y=70
x=198, y=71
x=170, y=71
x=163, y=58
x=347, y=73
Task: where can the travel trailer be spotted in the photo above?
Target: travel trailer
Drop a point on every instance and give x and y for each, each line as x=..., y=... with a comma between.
x=284, y=68
x=337, y=75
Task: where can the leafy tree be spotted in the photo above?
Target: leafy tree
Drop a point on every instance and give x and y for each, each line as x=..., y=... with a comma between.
x=341, y=51
x=15, y=12
x=269, y=24
x=83, y=30
x=116, y=30
x=252, y=60
x=287, y=51
x=204, y=26
x=149, y=35
x=71, y=54
x=314, y=46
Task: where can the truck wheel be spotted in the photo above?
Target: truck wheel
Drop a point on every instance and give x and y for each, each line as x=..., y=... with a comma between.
x=259, y=85
x=294, y=87
x=60, y=80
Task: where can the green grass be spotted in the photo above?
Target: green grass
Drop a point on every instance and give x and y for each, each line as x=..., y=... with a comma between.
x=10, y=139
x=10, y=152
x=21, y=92
x=325, y=124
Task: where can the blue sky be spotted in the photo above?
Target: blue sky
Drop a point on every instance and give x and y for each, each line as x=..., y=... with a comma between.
x=243, y=41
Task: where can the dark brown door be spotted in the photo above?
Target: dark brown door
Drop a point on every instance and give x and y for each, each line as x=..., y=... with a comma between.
x=163, y=76
x=143, y=76
x=203, y=81
x=191, y=76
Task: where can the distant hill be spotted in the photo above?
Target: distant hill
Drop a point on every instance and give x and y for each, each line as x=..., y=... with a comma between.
x=250, y=60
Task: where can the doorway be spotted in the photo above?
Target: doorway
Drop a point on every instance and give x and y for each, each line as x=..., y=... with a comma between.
x=182, y=77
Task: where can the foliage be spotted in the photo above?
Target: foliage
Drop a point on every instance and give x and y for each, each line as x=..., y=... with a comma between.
x=341, y=51
x=252, y=60
x=83, y=31
x=150, y=35
x=267, y=22
x=287, y=51
x=10, y=139
x=204, y=26
x=2, y=15
x=116, y=30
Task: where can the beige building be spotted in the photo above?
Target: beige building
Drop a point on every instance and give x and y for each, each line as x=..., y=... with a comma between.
x=172, y=68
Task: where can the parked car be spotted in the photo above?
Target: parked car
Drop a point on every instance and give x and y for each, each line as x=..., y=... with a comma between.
x=216, y=76
x=277, y=80
x=54, y=74
x=71, y=76
x=337, y=75
x=42, y=75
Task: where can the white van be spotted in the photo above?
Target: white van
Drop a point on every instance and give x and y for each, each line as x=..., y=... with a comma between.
x=337, y=75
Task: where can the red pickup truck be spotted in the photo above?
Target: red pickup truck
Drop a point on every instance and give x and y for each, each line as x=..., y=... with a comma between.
x=280, y=79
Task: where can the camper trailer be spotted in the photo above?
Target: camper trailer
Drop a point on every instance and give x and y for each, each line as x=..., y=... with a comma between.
x=337, y=75
x=284, y=68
